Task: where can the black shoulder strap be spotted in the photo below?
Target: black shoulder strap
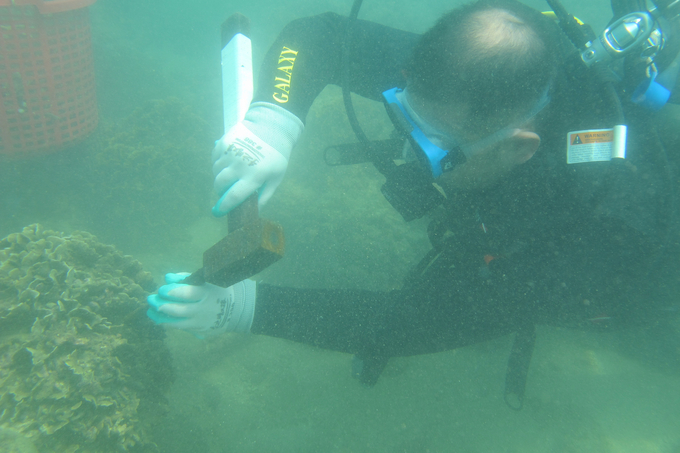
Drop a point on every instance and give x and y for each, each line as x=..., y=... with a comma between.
x=518, y=366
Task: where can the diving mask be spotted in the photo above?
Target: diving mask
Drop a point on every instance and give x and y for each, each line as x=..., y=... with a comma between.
x=436, y=150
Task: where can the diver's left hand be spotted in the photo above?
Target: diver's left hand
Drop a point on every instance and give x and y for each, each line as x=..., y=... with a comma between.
x=203, y=310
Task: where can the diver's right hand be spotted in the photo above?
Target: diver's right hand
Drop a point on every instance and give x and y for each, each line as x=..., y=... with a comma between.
x=203, y=310
x=253, y=156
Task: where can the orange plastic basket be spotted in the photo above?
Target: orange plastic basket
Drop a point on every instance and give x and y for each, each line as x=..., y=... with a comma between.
x=47, y=87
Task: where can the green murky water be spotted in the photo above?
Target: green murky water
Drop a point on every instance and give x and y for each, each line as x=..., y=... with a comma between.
x=142, y=183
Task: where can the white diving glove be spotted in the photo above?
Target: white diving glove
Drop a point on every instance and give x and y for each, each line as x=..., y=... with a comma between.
x=203, y=310
x=253, y=155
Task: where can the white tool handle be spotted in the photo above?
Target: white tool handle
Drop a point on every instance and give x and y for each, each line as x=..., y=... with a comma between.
x=237, y=69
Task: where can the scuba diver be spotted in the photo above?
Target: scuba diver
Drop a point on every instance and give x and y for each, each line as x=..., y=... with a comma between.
x=528, y=140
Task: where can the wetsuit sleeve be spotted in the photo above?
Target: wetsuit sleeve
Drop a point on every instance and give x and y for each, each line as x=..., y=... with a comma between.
x=444, y=310
x=307, y=56
x=454, y=297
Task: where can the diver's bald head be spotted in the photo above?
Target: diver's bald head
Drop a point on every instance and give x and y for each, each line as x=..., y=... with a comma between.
x=499, y=31
x=496, y=56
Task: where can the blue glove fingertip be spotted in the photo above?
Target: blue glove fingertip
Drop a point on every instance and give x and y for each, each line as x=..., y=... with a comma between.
x=216, y=209
x=217, y=212
x=164, y=293
x=172, y=277
x=160, y=318
x=155, y=301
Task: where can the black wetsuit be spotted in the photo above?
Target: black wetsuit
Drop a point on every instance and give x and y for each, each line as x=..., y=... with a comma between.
x=551, y=243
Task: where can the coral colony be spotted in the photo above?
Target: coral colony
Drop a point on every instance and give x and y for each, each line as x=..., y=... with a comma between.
x=81, y=369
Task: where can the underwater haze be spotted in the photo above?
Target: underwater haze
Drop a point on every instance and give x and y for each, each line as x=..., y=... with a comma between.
x=143, y=183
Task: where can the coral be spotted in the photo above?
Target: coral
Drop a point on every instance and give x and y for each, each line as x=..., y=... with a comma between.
x=81, y=368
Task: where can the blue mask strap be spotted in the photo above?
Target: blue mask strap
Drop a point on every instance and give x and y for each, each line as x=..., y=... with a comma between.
x=433, y=157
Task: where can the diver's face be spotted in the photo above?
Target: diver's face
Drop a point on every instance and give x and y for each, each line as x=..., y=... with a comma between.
x=486, y=165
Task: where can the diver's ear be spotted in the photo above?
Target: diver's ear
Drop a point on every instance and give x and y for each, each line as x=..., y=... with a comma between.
x=521, y=146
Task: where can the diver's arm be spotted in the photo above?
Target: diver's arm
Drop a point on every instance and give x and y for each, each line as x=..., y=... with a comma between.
x=307, y=56
x=581, y=279
x=597, y=280
x=398, y=323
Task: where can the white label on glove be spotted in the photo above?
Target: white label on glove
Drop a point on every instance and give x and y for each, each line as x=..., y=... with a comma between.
x=245, y=148
x=225, y=305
